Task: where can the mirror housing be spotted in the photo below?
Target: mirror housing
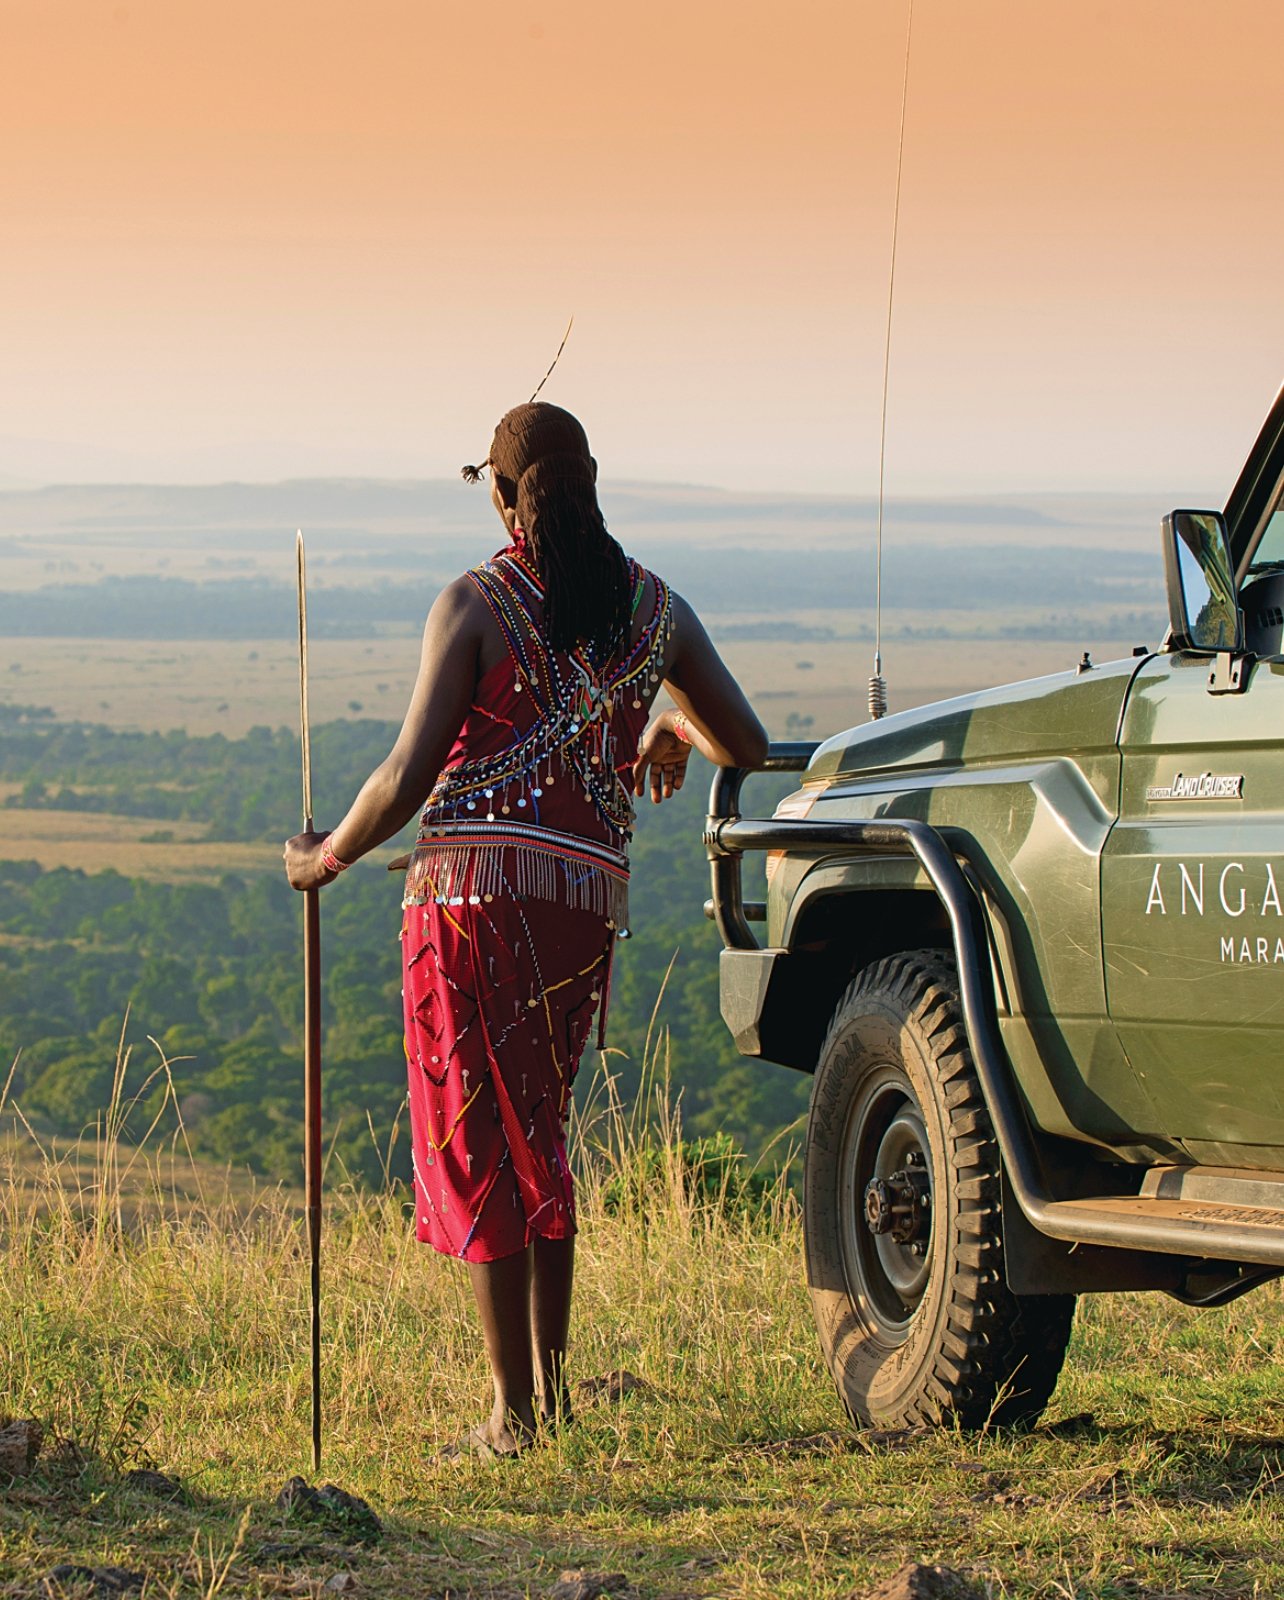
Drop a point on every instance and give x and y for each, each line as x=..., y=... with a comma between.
x=1203, y=612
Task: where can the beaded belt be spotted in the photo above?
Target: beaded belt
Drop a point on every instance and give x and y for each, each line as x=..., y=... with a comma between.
x=456, y=861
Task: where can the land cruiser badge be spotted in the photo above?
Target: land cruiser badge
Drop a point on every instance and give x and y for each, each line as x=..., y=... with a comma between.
x=1200, y=786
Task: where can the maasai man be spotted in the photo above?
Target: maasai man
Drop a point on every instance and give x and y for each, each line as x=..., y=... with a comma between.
x=528, y=733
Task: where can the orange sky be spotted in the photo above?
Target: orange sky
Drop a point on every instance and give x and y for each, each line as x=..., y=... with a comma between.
x=261, y=239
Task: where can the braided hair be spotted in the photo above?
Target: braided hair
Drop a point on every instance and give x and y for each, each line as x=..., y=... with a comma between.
x=541, y=461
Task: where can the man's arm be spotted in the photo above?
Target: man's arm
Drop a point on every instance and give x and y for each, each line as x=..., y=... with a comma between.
x=398, y=786
x=719, y=722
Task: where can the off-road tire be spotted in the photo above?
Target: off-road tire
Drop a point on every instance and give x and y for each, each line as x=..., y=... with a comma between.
x=910, y=1338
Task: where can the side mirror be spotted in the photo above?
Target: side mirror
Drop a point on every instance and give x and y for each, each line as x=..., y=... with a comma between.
x=1202, y=609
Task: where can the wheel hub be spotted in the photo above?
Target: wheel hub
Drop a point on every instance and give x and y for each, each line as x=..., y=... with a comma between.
x=887, y=1227
x=901, y=1204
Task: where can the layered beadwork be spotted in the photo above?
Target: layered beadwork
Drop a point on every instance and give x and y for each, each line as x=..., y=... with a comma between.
x=569, y=720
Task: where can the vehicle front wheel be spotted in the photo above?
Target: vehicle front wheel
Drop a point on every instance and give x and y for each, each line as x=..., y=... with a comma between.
x=904, y=1241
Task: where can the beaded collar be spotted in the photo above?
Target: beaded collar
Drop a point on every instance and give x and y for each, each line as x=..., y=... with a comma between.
x=575, y=699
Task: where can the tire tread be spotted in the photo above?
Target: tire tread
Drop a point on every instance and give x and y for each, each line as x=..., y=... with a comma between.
x=999, y=1354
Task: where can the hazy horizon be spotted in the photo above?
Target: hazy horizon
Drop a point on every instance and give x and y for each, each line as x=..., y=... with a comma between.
x=12, y=484
x=34, y=464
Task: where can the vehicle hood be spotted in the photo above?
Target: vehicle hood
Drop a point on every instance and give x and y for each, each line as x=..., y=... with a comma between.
x=1064, y=714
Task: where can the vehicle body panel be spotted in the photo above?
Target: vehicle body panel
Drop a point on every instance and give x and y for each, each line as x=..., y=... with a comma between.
x=1193, y=907
x=1030, y=774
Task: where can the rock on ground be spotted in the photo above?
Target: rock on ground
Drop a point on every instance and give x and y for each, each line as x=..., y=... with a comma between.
x=105, y=1580
x=343, y=1513
x=276, y=1550
x=19, y=1446
x=915, y=1581
x=611, y=1386
x=160, y=1484
x=577, y=1584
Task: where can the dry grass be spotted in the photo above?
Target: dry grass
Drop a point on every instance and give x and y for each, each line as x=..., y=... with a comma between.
x=100, y=841
x=155, y=1184
x=229, y=687
x=206, y=686
x=173, y=1333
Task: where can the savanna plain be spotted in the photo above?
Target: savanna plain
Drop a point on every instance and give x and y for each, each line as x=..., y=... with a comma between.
x=153, y=1316
x=153, y=1279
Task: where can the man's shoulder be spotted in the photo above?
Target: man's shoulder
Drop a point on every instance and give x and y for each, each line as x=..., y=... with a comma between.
x=461, y=598
x=645, y=577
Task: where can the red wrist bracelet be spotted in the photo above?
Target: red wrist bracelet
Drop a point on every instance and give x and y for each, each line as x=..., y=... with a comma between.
x=330, y=861
x=680, y=728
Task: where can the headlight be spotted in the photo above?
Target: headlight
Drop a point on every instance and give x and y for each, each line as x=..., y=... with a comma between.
x=795, y=806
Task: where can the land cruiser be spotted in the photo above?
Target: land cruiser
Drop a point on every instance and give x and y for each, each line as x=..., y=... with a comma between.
x=1030, y=942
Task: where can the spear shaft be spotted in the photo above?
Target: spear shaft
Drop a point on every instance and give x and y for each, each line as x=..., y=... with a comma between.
x=311, y=1028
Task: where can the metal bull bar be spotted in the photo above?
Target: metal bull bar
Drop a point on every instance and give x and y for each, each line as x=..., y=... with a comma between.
x=727, y=908
x=944, y=855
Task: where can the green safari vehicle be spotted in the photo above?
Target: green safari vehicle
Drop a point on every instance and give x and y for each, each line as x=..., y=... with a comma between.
x=1030, y=942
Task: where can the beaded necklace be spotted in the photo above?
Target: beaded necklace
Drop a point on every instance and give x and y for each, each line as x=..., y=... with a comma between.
x=573, y=698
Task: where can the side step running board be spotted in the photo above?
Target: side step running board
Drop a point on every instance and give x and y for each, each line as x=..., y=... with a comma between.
x=1203, y=1228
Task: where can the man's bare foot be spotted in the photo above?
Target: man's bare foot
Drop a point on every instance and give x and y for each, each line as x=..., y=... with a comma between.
x=509, y=1432
x=555, y=1411
x=489, y=1442
x=503, y=1434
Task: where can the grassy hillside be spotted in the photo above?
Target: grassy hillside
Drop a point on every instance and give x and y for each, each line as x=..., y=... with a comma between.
x=148, y=1330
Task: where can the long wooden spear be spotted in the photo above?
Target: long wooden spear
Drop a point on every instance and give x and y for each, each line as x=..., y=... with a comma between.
x=311, y=1027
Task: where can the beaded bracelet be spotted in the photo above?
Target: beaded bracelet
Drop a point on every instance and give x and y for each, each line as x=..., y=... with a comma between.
x=680, y=728
x=330, y=861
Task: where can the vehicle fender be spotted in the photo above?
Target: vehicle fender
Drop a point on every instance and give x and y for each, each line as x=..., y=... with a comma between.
x=847, y=912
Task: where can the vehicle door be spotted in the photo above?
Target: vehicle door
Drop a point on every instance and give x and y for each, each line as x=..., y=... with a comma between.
x=1193, y=882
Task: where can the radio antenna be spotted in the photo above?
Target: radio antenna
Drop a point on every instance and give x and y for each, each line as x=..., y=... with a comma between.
x=556, y=359
x=877, y=683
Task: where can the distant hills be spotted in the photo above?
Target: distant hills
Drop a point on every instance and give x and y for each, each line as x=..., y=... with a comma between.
x=155, y=561
x=327, y=507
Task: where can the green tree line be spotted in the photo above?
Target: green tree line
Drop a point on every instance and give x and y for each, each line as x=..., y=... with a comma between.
x=211, y=971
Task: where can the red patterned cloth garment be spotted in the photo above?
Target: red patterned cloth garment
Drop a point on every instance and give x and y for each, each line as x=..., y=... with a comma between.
x=515, y=892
